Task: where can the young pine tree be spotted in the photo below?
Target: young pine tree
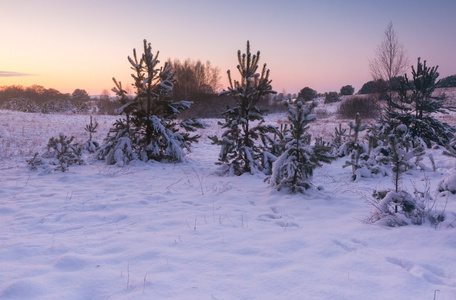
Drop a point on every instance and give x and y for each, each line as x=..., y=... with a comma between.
x=150, y=130
x=294, y=168
x=240, y=151
x=405, y=153
x=357, y=150
x=91, y=145
x=398, y=207
x=117, y=147
x=417, y=105
x=63, y=152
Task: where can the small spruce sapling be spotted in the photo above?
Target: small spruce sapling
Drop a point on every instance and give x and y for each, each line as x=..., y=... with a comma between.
x=294, y=168
x=357, y=150
x=398, y=207
x=279, y=137
x=398, y=160
x=339, y=136
x=90, y=145
x=62, y=152
x=378, y=161
x=240, y=151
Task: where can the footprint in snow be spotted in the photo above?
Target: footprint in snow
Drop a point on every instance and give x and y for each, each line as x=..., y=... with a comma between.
x=351, y=245
x=274, y=215
x=277, y=217
x=191, y=203
x=285, y=224
x=269, y=217
x=432, y=274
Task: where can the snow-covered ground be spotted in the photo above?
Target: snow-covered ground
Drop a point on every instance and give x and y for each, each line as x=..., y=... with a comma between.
x=180, y=231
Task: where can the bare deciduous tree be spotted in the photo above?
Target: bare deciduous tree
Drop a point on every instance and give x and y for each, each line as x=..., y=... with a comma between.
x=104, y=95
x=194, y=79
x=391, y=58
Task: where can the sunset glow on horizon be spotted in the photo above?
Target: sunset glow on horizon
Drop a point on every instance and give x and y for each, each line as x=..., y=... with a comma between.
x=325, y=45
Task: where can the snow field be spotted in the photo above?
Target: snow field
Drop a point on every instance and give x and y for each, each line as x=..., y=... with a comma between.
x=180, y=231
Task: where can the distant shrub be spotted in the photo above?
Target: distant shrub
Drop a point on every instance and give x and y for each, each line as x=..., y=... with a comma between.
x=307, y=94
x=331, y=97
x=322, y=113
x=449, y=81
x=347, y=90
x=372, y=87
x=366, y=107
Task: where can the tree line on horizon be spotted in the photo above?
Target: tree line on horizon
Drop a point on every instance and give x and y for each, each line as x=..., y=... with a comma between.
x=194, y=84
x=37, y=98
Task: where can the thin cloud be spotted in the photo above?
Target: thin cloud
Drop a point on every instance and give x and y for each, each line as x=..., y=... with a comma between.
x=13, y=74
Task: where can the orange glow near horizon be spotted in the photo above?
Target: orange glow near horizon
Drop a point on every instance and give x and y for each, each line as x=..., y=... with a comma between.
x=62, y=84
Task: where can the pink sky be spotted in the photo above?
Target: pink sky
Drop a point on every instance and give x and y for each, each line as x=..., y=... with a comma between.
x=320, y=44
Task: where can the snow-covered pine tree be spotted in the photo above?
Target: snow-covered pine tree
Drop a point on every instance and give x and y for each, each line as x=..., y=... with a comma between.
x=151, y=129
x=417, y=105
x=397, y=207
x=339, y=136
x=357, y=150
x=63, y=152
x=117, y=147
x=411, y=149
x=378, y=161
x=90, y=145
x=240, y=151
x=398, y=156
x=294, y=168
